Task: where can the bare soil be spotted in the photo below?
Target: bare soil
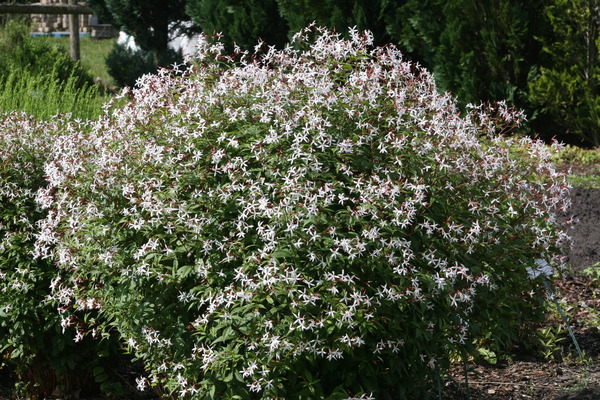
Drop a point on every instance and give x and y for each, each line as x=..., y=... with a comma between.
x=586, y=233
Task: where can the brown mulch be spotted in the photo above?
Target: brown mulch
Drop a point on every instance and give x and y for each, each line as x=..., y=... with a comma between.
x=533, y=377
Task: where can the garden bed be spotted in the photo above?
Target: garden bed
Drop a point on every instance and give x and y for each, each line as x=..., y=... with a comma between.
x=528, y=376
x=219, y=254
x=531, y=376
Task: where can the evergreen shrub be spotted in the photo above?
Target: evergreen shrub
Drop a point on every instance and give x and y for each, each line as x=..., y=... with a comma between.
x=19, y=52
x=41, y=79
x=127, y=65
x=315, y=223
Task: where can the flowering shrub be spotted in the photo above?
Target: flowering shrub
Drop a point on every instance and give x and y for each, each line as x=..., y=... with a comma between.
x=315, y=223
x=31, y=338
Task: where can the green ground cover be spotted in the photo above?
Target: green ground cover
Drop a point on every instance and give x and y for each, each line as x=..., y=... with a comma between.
x=584, y=165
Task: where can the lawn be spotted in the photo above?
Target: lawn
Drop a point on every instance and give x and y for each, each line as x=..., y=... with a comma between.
x=93, y=54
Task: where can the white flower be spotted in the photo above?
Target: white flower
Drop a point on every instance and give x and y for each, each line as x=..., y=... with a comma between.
x=542, y=268
x=141, y=383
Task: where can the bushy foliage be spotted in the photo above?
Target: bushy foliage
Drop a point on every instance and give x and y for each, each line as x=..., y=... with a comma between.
x=43, y=354
x=566, y=88
x=481, y=51
x=318, y=224
x=21, y=53
x=242, y=22
x=23, y=151
x=127, y=65
x=378, y=16
x=41, y=79
x=540, y=56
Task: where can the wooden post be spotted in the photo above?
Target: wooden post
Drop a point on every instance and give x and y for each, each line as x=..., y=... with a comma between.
x=73, y=9
x=74, y=33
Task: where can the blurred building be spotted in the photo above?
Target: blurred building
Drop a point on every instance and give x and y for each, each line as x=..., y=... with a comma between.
x=58, y=24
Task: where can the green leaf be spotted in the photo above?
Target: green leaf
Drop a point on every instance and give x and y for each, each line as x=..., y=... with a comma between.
x=488, y=355
x=97, y=370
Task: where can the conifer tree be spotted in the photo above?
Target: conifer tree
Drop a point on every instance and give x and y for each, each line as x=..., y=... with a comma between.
x=243, y=22
x=566, y=88
x=340, y=15
x=478, y=50
x=150, y=22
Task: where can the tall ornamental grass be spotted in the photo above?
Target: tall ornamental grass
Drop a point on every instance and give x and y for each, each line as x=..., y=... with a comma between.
x=315, y=223
x=45, y=95
x=41, y=79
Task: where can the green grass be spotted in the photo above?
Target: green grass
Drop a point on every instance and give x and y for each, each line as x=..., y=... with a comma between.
x=584, y=164
x=93, y=54
x=585, y=181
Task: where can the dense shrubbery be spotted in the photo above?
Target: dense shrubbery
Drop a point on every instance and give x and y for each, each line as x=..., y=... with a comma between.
x=41, y=79
x=539, y=55
x=20, y=52
x=565, y=89
x=25, y=282
x=127, y=65
x=317, y=224
x=43, y=354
